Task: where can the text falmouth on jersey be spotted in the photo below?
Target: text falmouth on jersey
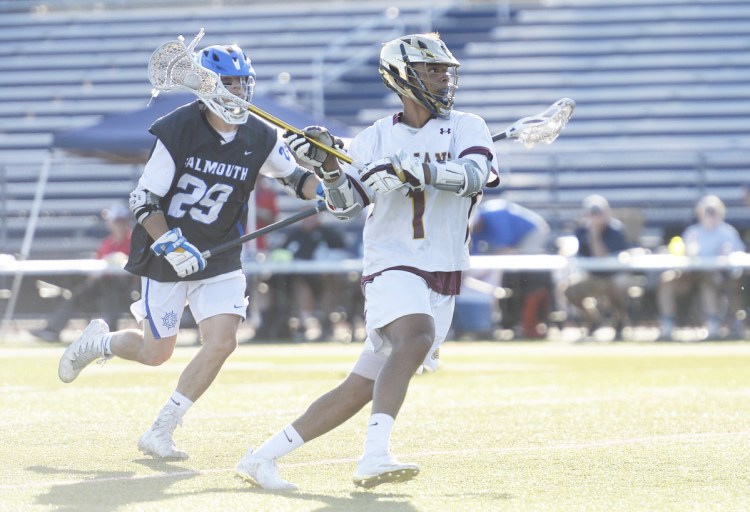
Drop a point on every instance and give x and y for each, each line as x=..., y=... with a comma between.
x=236, y=172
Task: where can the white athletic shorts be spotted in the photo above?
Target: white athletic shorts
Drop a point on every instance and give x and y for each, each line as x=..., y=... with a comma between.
x=391, y=295
x=163, y=303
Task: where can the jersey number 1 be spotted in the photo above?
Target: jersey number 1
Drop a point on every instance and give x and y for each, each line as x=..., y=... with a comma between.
x=418, y=205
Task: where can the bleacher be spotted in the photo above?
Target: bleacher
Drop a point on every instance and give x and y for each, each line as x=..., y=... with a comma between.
x=65, y=65
x=663, y=112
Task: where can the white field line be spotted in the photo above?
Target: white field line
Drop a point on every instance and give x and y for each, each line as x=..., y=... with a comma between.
x=604, y=443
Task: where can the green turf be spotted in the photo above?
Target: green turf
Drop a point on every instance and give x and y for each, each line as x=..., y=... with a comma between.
x=502, y=426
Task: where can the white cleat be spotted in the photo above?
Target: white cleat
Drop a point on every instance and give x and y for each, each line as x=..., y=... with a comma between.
x=84, y=351
x=262, y=472
x=157, y=440
x=372, y=471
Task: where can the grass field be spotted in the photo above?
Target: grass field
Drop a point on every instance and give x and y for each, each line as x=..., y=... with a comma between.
x=502, y=426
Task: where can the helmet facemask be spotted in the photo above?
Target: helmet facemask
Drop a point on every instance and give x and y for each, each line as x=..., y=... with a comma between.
x=416, y=67
x=229, y=62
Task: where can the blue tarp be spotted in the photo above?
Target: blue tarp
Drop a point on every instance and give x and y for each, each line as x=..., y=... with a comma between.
x=126, y=136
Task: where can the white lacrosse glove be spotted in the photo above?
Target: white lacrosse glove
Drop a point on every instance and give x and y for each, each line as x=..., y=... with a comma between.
x=409, y=169
x=311, y=154
x=394, y=172
x=184, y=257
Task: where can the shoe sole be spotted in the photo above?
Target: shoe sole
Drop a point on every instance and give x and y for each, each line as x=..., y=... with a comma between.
x=247, y=478
x=168, y=457
x=183, y=456
x=399, y=475
x=252, y=481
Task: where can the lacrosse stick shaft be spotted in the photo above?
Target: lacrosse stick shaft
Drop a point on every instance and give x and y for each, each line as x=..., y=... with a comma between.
x=282, y=124
x=263, y=231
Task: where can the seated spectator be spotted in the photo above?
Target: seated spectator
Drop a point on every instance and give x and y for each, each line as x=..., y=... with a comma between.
x=317, y=303
x=108, y=294
x=596, y=295
x=710, y=236
x=503, y=227
x=265, y=212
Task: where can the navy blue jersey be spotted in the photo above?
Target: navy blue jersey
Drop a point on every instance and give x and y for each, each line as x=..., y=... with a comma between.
x=614, y=239
x=208, y=198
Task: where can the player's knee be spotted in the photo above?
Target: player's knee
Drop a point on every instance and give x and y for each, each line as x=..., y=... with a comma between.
x=223, y=346
x=417, y=346
x=157, y=357
x=357, y=391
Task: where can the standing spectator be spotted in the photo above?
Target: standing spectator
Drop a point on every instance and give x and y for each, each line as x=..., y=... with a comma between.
x=599, y=235
x=426, y=168
x=196, y=185
x=504, y=227
x=266, y=210
x=108, y=294
x=710, y=236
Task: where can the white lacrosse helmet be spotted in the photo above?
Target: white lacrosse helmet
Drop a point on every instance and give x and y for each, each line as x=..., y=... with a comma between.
x=226, y=61
x=398, y=73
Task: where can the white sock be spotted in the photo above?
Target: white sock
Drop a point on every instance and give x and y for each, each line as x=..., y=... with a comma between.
x=378, y=439
x=285, y=441
x=179, y=402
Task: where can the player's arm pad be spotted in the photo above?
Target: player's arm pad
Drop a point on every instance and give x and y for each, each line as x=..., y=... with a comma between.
x=294, y=184
x=342, y=199
x=143, y=203
x=463, y=176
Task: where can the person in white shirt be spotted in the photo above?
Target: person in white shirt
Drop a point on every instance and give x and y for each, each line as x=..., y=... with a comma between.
x=710, y=236
x=426, y=168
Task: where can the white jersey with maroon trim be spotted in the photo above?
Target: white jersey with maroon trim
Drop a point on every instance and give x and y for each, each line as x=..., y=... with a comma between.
x=428, y=229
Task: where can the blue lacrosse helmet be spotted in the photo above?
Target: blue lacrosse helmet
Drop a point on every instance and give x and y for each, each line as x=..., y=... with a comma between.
x=226, y=61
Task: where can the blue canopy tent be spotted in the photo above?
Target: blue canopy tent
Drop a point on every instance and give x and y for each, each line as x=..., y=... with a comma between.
x=125, y=137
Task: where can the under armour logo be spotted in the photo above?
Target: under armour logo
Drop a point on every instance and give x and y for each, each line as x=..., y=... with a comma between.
x=443, y=131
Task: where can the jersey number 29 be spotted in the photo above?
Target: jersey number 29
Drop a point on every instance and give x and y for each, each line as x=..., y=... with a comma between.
x=201, y=203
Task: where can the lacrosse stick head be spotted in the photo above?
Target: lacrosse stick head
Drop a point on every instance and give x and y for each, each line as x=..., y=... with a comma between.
x=545, y=126
x=173, y=66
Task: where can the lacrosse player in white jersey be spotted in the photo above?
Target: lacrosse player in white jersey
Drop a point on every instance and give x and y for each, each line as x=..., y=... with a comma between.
x=193, y=196
x=426, y=168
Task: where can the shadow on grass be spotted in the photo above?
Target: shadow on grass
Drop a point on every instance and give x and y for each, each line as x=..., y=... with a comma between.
x=103, y=491
x=357, y=500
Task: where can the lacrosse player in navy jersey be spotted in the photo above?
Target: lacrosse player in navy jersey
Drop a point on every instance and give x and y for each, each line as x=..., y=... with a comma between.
x=192, y=196
x=426, y=170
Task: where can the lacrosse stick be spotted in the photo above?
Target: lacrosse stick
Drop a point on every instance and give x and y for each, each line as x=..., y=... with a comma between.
x=171, y=67
x=543, y=127
x=263, y=231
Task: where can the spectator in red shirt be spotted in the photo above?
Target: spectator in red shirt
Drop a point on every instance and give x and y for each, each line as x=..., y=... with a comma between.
x=109, y=294
x=266, y=210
